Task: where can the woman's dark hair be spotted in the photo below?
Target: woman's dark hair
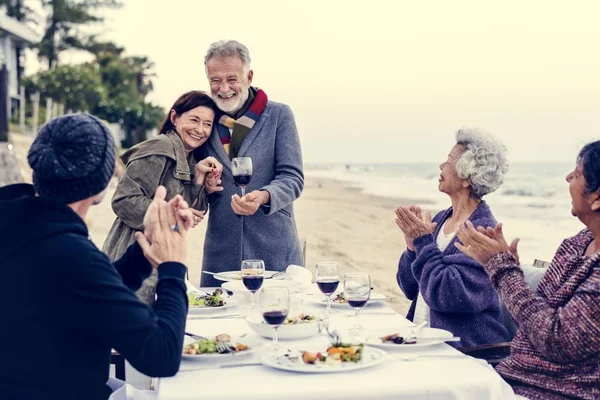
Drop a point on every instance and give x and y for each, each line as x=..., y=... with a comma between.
x=186, y=102
x=589, y=157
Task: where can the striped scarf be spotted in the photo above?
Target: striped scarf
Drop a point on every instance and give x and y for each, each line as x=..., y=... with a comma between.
x=242, y=126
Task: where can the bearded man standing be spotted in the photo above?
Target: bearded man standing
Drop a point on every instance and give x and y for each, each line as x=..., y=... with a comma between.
x=259, y=225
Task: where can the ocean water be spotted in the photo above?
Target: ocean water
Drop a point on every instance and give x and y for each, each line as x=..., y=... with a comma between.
x=533, y=203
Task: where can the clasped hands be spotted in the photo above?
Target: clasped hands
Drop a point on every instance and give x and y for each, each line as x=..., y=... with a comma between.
x=209, y=172
x=166, y=225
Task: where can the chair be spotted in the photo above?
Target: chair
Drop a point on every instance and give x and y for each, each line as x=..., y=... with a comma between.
x=495, y=352
x=119, y=361
x=303, y=248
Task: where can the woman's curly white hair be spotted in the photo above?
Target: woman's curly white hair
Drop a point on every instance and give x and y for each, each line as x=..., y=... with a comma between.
x=483, y=162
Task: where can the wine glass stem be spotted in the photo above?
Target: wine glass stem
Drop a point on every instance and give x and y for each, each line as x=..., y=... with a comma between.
x=243, y=191
x=253, y=305
x=275, y=336
x=329, y=304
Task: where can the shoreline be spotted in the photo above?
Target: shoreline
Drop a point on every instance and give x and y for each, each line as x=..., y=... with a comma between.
x=340, y=223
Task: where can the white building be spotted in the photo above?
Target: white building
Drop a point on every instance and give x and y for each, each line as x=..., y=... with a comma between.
x=14, y=35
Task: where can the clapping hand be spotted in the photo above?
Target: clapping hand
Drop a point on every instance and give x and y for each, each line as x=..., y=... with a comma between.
x=165, y=229
x=481, y=244
x=413, y=224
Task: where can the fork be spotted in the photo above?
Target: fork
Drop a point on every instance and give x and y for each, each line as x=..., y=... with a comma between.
x=277, y=274
x=225, y=347
x=415, y=332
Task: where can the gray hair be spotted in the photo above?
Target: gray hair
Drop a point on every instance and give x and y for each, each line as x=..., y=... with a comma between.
x=229, y=48
x=483, y=163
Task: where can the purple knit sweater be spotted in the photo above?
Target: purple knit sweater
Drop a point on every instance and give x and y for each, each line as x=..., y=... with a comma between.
x=456, y=288
x=556, y=351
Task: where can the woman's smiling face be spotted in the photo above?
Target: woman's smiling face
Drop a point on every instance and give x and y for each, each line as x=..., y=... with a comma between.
x=193, y=126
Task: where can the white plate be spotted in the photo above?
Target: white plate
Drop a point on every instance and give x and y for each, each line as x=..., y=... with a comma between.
x=238, y=286
x=254, y=344
x=370, y=358
x=284, y=332
x=320, y=299
x=372, y=338
x=237, y=275
x=227, y=303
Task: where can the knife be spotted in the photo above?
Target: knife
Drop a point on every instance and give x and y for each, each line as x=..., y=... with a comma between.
x=196, y=316
x=232, y=365
x=434, y=339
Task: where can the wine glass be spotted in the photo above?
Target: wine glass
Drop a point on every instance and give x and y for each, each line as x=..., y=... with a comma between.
x=275, y=306
x=241, y=168
x=357, y=290
x=253, y=275
x=328, y=279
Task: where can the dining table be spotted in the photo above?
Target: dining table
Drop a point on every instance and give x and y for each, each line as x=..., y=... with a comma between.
x=431, y=372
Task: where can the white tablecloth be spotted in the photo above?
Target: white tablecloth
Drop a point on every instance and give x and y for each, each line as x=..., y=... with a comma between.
x=451, y=376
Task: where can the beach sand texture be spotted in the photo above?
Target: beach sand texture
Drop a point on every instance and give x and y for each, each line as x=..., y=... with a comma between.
x=339, y=223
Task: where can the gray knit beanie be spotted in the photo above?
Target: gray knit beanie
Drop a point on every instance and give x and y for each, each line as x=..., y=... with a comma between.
x=72, y=157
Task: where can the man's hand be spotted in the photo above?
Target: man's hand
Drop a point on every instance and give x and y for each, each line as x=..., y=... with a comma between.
x=212, y=184
x=250, y=203
x=208, y=172
x=167, y=226
x=209, y=165
x=197, y=216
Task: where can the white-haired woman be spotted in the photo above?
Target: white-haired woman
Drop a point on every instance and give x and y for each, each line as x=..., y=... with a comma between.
x=448, y=289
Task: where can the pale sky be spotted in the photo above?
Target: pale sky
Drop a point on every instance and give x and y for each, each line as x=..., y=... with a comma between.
x=390, y=81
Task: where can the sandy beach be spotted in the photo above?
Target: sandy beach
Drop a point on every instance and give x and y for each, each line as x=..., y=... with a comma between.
x=339, y=223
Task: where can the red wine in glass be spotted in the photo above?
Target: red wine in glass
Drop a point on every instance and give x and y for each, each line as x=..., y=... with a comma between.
x=253, y=276
x=241, y=169
x=275, y=317
x=357, y=303
x=242, y=180
x=274, y=306
x=328, y=286
x=357, y=289
x=253, y=282
x=327, y=275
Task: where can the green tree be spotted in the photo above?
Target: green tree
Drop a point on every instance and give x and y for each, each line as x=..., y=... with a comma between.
x=112, y=87
x=65, y=18
x=78, y=87
x=128, y=80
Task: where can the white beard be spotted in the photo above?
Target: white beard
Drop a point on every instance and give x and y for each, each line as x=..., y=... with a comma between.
x=231, y=107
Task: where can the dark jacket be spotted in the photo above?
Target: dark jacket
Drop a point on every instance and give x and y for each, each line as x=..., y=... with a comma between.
x=160, y=160
x=64, y=305
x=456, y=288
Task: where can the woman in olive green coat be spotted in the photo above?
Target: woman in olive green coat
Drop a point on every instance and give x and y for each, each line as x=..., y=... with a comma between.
x=167, y=160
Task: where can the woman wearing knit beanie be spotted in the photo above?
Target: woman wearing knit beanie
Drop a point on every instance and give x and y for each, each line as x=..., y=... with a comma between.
x=167, y=160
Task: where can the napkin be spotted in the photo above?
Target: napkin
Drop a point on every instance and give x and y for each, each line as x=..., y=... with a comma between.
x=300, y=274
